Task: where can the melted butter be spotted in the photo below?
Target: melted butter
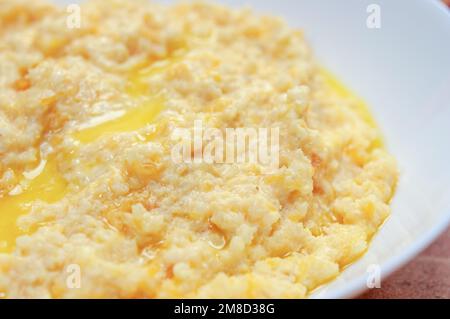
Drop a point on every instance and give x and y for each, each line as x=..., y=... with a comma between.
x=130, y=121
x=138, y=117
x=138, y=84
x=358, y=104
x=49, y=185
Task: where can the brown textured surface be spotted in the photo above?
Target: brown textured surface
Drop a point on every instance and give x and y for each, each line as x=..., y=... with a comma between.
x=427, y=276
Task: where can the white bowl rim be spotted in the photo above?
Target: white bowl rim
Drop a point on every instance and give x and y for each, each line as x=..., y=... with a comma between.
x=358, y=285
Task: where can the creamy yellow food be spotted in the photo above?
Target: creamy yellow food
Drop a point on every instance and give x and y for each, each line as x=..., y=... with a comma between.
x=87, y=178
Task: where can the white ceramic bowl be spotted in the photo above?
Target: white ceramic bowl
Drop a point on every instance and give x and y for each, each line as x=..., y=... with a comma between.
x=403, y=71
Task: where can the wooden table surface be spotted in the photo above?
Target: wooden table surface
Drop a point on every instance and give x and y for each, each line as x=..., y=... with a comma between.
x=426, y=276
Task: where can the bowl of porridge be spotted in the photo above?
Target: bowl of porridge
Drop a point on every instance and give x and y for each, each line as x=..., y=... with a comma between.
x=214, y=150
